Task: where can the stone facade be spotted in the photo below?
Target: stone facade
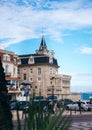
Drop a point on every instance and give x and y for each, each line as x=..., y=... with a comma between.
x=38, y=72
x=41, y=71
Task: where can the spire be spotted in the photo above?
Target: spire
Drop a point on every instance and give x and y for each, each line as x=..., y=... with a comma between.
x=42, y=45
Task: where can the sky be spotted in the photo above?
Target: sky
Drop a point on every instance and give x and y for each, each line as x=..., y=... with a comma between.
x=66, y=26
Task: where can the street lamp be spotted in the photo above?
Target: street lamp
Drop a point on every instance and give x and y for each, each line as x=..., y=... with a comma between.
x=52, y=87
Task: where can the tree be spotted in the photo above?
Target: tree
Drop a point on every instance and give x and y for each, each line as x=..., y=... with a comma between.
x=5, y=112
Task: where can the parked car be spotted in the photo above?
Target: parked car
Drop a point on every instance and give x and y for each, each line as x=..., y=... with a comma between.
x=13, y=104
x=19, y=105
x=74, y=106
x=39, y=98
x=89, y=106
x=52, y=97
x=84, y=105
x=23, y=105
x=65, y=101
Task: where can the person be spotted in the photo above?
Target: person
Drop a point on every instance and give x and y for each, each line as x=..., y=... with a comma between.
x=55, y=107
x=79, y=104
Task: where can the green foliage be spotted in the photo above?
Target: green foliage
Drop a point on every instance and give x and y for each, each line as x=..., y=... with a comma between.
x=37, y=118
x=5, y=112
x=55, y=119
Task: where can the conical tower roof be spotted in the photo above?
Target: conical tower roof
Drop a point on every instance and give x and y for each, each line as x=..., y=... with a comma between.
x=42, y=45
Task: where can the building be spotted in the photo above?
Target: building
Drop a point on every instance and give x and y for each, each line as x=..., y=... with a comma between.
x=9, y=62
x=34, y=74
x=41, y=71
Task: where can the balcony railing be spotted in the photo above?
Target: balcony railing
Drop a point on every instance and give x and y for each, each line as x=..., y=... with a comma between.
x=7, y=74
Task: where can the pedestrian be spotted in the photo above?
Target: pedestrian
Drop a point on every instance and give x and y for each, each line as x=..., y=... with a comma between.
x=79, y=105
x=55, y=107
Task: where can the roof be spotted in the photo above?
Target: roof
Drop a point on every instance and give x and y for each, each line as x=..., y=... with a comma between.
x=38, y=60
x=43, y=44
x=29, y=55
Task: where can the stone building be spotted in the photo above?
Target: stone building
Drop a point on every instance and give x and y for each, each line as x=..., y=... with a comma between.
x=37, y=72
x=41, y=71
x=9, y=62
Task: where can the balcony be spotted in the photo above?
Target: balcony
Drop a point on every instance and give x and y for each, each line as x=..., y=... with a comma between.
x=7, y=74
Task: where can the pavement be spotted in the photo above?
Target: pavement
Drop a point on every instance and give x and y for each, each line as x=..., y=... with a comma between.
x=15, y=122
x=81, y=121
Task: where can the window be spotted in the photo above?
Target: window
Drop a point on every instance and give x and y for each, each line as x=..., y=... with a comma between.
x=19, y=61
x=24, y=76
x=6, y=57
x=39, y=78
x=66, y=81
x=31, y=60
x=31, y=79
x=50, y=60
x=14, y=70
x=14, y=61
x=31, y=70
x=35, y=86
x=6, y=69
x=18, y=71
x=39, y=71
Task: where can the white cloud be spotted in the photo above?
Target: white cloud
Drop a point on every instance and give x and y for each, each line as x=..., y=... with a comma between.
x=21, y=21
x=82, y=76
x=86, y=50
x=81, y=82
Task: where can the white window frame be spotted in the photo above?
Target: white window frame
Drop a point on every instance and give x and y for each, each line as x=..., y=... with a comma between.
x=39, y=71
x=31, y=60
x=6, y=57
x=39, y=78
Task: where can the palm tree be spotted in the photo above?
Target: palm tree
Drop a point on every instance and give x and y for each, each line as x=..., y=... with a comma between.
x=5, y=112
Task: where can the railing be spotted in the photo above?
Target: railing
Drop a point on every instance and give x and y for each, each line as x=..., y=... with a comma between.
x=7, y=73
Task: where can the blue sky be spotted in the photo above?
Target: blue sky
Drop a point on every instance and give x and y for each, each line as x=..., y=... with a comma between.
x=67, y=27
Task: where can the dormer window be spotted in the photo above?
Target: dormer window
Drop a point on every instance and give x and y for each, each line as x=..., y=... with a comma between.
x=50, y=60
x=31, y=60
x=6, y=57
x=19, y=61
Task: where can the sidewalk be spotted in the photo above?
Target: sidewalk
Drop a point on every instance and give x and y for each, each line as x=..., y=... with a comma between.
x=81, y=121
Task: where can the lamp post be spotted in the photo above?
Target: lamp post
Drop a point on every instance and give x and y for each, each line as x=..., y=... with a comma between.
x=52, y=87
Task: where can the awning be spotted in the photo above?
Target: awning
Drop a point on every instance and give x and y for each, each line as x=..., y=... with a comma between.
x=12, y=78
x=23, y=83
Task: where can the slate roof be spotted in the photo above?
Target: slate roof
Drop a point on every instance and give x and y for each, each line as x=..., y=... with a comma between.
x=37, y=60
x=43, y=44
